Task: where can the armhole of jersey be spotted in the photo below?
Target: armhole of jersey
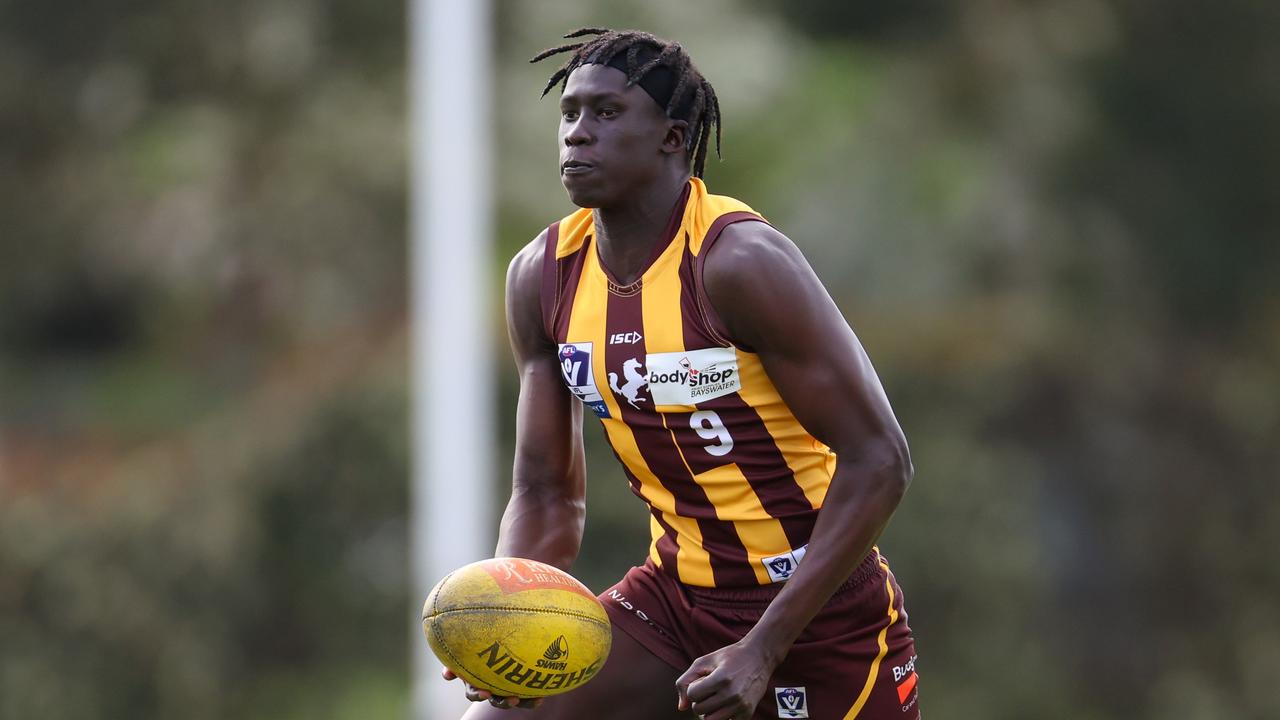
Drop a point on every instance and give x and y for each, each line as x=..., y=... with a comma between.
x=709, y=315
x=550, y=297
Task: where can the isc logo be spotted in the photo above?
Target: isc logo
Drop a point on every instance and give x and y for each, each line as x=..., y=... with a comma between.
x=626, y=338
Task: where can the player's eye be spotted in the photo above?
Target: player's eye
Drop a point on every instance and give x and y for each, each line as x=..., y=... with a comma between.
x=608, y=112
x=569, y=114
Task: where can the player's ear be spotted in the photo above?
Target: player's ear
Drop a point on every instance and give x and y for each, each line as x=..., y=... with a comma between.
x=677, y=137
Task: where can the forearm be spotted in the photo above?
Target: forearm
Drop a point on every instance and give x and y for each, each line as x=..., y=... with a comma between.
x=542, y=525
x=862, y=497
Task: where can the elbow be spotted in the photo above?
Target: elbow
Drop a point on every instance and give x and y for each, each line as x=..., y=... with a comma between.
x=893, y=471
x=906, y=470
x=554, y=498
x=900, y=468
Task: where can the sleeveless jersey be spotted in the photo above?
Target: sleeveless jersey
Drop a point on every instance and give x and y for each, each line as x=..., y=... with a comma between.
x=732, y=480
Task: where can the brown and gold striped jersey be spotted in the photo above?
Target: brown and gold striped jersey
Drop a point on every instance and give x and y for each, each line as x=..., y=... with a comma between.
x=732, y=480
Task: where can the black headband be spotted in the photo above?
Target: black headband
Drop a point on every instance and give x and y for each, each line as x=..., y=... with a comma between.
x=660, y=82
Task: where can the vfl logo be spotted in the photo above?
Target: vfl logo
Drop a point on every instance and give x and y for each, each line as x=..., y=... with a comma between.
x=791, y=702
x=575, y=366
x=635, y=381
x=782, y=567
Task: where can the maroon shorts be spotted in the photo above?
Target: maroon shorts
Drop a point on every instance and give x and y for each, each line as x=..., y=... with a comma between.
x=857, y=654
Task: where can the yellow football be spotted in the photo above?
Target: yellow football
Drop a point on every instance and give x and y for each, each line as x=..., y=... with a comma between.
x=517, y=627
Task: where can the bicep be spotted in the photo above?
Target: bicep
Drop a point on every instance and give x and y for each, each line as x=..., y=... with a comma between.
x=548, y=454
x=832, y=388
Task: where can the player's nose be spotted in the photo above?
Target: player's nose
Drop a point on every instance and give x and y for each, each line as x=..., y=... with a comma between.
x=577, y=134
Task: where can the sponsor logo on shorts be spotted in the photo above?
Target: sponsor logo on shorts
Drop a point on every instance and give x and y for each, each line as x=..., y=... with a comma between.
x=901, y=671
x=687, y=378
x=626, y=604
x=575, y=366
x=502, y=664
x=782, y=567
x=905, y=677
x=792, y=702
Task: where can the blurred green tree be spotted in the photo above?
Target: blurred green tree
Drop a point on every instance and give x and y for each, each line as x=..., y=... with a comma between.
x=1052, y=223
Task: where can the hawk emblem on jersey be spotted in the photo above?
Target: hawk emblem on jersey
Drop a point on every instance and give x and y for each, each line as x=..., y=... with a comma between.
x=630, y=390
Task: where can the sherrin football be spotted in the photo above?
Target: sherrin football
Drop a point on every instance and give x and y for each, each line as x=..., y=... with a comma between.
x=517, y=627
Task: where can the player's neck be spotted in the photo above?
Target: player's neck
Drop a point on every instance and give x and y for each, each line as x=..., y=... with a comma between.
x=626, y=234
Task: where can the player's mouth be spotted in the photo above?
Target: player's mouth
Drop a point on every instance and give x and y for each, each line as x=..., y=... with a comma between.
x=575, y=167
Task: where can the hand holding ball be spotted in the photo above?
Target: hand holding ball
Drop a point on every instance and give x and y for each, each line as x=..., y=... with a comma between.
x=517, y=628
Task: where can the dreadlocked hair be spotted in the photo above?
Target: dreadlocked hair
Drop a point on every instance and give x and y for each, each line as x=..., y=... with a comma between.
x=692, y=91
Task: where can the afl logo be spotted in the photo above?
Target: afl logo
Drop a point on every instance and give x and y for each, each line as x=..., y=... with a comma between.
x=568, y=351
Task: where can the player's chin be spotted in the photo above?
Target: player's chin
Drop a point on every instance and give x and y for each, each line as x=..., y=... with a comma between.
x=585, y=194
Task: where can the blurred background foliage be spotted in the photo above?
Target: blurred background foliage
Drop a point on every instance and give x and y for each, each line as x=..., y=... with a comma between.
x=1054, y=224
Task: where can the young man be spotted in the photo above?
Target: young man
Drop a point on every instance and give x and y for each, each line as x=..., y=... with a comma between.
x=743, y=409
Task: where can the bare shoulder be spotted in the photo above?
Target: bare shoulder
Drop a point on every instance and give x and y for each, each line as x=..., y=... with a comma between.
x=525, y=268
x=524, y=295
x=750, y=252
x=758, y=280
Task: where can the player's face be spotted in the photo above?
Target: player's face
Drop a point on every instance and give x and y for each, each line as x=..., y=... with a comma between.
x=611, y=137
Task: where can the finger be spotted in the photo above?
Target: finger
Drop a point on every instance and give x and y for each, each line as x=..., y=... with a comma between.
x=448, y=674
x=475, y=694
x=691, y=675
x=715, y=702
x=529, y=703
x=706, y=686
x=506, y=703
